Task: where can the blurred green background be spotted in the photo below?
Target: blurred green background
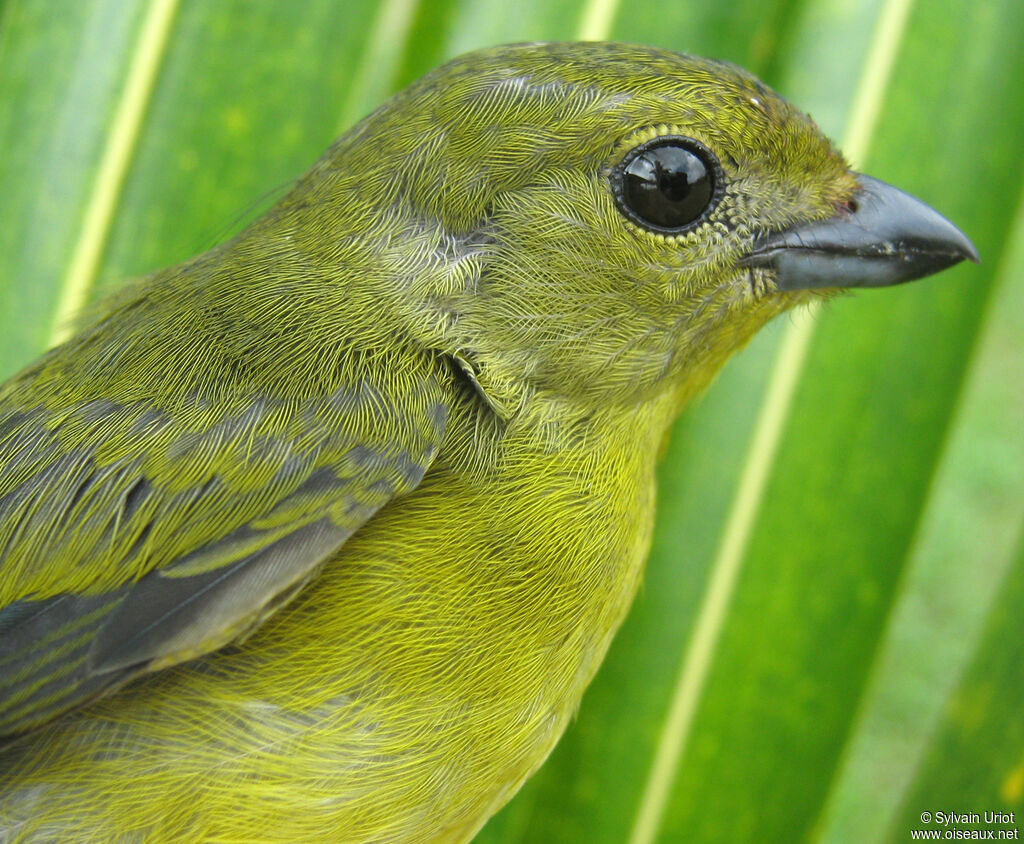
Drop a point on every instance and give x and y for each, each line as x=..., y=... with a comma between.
x=829, y=639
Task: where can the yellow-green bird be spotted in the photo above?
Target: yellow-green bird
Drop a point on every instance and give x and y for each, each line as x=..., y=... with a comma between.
x=366, y=491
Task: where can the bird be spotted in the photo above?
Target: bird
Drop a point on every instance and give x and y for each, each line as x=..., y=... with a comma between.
x=322, y=534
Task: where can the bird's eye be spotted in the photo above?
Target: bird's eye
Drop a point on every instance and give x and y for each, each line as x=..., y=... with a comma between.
x=667, y=184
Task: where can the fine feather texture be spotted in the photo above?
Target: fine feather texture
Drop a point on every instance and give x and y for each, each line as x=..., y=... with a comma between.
x=139, y=531
x=458, y=261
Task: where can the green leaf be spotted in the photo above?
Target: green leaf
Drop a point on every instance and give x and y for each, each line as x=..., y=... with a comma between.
x=828, y=641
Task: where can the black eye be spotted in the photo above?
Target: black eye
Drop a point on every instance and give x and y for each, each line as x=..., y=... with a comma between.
x=667, y=184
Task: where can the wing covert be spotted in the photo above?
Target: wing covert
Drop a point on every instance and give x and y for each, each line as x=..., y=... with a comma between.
x=133, y=538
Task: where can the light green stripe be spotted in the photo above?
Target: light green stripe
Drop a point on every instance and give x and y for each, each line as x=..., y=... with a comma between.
x=886, y=40
x=117, y=156
x=386, y=44
x=597, y=19
x=746, y=503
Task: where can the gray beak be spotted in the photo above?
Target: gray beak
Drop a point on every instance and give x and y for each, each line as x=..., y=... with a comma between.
x=888, y=237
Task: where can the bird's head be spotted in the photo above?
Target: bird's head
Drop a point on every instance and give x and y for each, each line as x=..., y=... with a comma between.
x=599, y=221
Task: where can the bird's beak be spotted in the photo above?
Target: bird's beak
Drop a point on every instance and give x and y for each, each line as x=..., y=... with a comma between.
x=885, y=237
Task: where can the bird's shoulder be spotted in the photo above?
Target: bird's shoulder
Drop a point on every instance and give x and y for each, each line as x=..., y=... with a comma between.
x=140, y=530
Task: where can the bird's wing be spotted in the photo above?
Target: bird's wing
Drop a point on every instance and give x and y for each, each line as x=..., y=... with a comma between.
x=170, y=534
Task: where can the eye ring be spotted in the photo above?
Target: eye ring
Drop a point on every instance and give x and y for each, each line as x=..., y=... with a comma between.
x=668, y=184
